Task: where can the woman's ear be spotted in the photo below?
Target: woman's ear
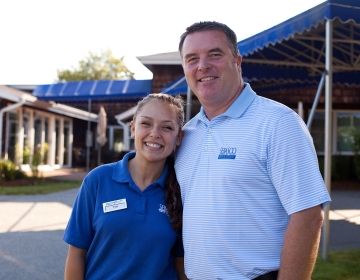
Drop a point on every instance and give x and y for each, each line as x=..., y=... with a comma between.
x=179, y=137
x=132, y=129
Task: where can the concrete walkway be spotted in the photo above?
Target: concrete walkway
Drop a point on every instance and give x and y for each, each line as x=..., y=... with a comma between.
x=31, y=230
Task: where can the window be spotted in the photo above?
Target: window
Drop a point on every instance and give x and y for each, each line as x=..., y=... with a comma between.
x=347, y=124
x=12, y=135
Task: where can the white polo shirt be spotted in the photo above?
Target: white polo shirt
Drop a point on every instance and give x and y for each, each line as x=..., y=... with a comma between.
x=241, y=175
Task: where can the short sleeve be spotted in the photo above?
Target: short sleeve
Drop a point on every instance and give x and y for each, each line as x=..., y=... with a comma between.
x=293, y=165
x=79, y=230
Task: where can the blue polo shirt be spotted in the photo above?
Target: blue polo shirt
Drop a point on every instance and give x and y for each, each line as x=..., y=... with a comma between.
x=126, y=232
x=241, y=175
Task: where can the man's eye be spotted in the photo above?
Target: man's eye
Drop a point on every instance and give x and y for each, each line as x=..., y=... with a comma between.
x=191, y=60
x=215, y=54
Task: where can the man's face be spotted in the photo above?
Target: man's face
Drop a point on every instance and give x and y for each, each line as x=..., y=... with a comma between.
x=211, y=68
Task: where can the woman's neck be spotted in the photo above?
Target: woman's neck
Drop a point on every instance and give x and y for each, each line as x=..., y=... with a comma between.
x=144, y=174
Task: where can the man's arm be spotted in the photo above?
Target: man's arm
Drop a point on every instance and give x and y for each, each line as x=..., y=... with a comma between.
x=301, y=244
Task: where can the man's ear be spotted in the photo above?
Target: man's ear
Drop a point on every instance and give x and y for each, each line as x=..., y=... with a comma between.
x=238, y=60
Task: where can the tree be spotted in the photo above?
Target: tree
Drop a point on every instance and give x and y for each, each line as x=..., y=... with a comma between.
x=97, y=67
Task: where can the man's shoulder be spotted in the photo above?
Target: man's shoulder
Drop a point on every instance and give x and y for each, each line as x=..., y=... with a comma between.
x=273, y=105
x=192, y=123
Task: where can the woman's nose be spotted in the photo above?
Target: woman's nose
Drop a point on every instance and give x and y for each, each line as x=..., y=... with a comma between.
x=155, y=132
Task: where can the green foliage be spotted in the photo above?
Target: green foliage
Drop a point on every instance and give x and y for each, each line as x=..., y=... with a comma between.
x=342, y=265
x=97, y=67
x=26, y=155
x=356, y=149
x=343, y=168
x=9, y=171
x=39, y=156
x=39, y=186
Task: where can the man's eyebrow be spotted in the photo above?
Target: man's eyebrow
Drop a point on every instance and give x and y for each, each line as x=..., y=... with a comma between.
x=189, y=55
x=216, y=50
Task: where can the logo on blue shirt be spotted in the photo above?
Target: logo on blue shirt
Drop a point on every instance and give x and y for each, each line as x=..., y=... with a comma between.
x=163, y=209
x=227, y=153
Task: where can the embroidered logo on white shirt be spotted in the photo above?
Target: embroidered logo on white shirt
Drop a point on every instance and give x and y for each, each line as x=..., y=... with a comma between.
x=227, y=153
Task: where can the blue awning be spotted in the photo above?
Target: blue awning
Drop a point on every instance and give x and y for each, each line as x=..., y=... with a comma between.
x=295, y=48
x=179, y=86
x=342, y=10
x=94, y=90
x=293, y=52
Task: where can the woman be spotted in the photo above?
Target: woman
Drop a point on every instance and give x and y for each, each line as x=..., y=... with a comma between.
x=126, y=220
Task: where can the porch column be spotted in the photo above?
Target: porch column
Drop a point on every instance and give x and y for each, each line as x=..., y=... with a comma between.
x=328, y=134
x=19, y=148
x=31, y=134
x=70, y=143
x=61, y=142
x=300, y=109
x=52, y=141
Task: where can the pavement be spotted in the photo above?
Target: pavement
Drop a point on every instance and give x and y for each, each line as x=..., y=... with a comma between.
x=32, y=226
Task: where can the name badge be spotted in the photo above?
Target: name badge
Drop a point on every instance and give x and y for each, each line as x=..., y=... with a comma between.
x=114, y=205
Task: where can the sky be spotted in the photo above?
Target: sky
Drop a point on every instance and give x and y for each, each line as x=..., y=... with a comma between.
x=40, y=37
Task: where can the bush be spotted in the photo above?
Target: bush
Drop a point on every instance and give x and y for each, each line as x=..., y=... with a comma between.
x=356, y=149
x=343, y=167
x=9, y=171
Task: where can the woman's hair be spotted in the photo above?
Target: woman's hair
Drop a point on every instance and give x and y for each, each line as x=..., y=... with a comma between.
x=172, y=190
x=210, y=26
x=175, y=101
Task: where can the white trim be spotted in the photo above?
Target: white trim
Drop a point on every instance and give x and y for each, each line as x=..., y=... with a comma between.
x=125, y=115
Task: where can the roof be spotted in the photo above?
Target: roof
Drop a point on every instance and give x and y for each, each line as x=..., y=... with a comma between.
x=94, y=90
x=178, y=86
x=170, y=58
x=294, y=50
x=15, y=96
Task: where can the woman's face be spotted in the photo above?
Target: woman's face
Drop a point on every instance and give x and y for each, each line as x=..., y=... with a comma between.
x=156, y=131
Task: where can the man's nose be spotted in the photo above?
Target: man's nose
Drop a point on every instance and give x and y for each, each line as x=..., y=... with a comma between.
x=203, y=64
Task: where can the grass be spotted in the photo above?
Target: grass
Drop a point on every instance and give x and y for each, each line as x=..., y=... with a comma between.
x=39, y=187
x=340, y=265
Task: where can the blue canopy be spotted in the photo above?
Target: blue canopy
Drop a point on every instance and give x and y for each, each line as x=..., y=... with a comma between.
x=292, y=53
x=294, y=50
x=179, y=86
x=341, y=10
x=94, y=90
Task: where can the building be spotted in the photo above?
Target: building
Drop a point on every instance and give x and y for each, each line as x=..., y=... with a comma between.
x=30, y=127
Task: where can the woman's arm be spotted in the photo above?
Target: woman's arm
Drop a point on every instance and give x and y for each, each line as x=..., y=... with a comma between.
x=75, y=264
x=179, y=265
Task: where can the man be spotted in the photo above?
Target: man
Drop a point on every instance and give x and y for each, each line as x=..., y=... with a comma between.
x=251, y=187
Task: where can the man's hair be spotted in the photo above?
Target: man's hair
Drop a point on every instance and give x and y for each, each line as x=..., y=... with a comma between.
x=211, y=25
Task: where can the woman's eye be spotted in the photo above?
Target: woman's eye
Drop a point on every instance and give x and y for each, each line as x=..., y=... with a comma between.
x=169, y=128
